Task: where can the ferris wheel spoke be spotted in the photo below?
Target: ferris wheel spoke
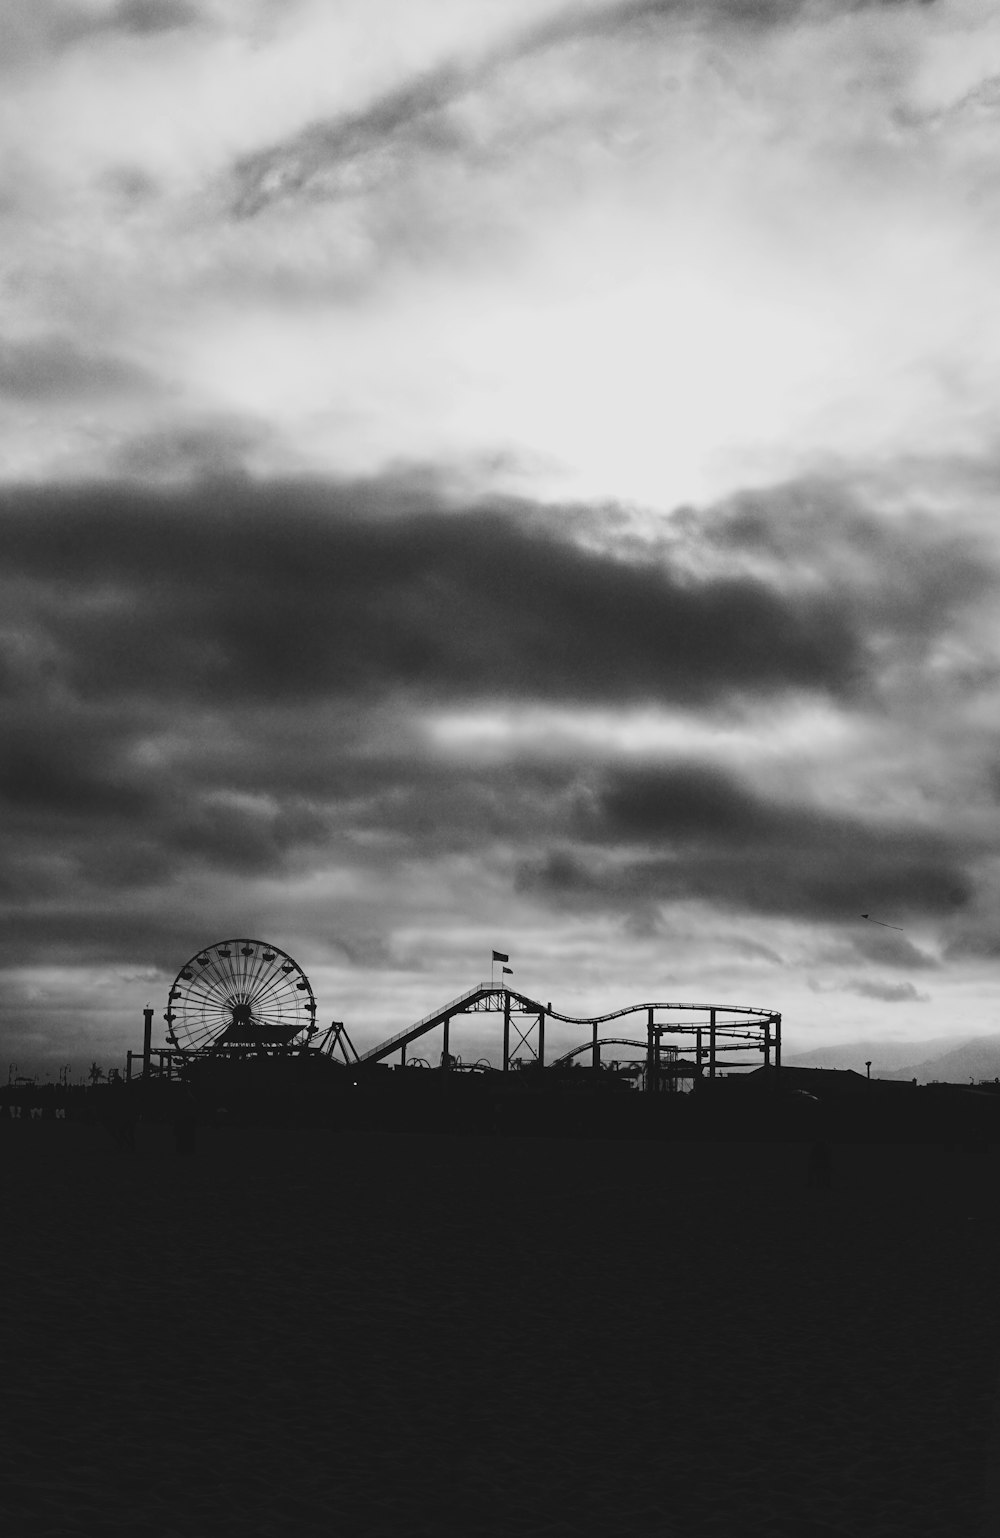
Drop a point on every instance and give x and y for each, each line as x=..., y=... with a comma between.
x=243, y=968
x=196, y=1030
x=274, y=988
x=209, y=1019
x=262, y=989
x=206, y=995
x=260, y=968
x=229, y=969
x=277, y=1017
x=211, y=978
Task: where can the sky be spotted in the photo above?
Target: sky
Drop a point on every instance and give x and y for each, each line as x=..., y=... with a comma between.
x=500, y=474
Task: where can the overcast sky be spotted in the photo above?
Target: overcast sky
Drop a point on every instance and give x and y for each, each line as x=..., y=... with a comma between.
x=501, y=474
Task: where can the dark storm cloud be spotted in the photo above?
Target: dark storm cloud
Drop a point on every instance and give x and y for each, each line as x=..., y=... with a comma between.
x=909, y=572
x=977, y=939
x=54, y=368
x=225, y=808
x=887, y=949
x=705, y=835
x=227, y=681
x=48, y=769
x=283, y=591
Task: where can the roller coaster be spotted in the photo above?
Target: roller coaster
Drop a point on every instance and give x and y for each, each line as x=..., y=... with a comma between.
x=705, y=1031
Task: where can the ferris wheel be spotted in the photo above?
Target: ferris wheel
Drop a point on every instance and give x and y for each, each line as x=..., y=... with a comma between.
x=242, y=994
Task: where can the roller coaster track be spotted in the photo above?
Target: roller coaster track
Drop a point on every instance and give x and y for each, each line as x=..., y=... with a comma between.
x=485, y=996
x=588, y=1046
x=403, y=1038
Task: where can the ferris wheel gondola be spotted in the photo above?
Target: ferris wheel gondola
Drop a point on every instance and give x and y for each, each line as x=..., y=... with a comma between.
x=241, y=996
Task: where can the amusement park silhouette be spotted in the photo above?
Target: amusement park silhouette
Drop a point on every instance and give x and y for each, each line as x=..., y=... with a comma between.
x=261, y=1278
x=244, y=997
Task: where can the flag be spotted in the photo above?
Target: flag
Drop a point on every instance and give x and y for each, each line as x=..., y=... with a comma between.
x=499, y=956
x=509, y=971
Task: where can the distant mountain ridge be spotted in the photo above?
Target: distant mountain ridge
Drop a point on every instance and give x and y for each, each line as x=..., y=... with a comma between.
x=974, y=1057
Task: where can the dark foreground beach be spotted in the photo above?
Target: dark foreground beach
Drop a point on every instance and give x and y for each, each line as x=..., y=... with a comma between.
x=303, y=1333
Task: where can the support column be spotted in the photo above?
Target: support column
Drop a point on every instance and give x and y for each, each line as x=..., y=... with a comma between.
x=541, y=1037
x=699, y=1052
x=445, y=1054
x=402, y=1055
x=595, y=1051
x=651, y=1051
x=767, y=1043
x=128, y=1068
x=777, y=1046
x=147, y=1038
x=711, y=1044
x=506, y=1030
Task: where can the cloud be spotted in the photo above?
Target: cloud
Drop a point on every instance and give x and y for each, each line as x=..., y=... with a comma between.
x=204, y=448
x=149, y=16
x=344, y=154
x=351, y=152
x=423, y=117
x=866, y=988
x=884, y=948
x=707, y=836
x=37, y=28
x=219, y=700
x=274, y=590
x=133, y=18
x=55, y=368
x=909, y=571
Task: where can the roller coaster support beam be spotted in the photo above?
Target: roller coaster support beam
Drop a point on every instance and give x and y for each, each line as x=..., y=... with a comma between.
x=541, y=1037
x=777, y=1046
x=652, y=1042
x=699, y=1051
x=595, y=1051
x=711, y=1044
x=445, y=1057
x=147, y=1040
x=506, y=1030
x=767, y=1044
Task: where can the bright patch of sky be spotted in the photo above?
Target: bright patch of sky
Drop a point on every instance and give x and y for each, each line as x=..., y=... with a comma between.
x=650, y=260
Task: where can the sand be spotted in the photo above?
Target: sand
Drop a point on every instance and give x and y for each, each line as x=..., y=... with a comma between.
x=363, y=1334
